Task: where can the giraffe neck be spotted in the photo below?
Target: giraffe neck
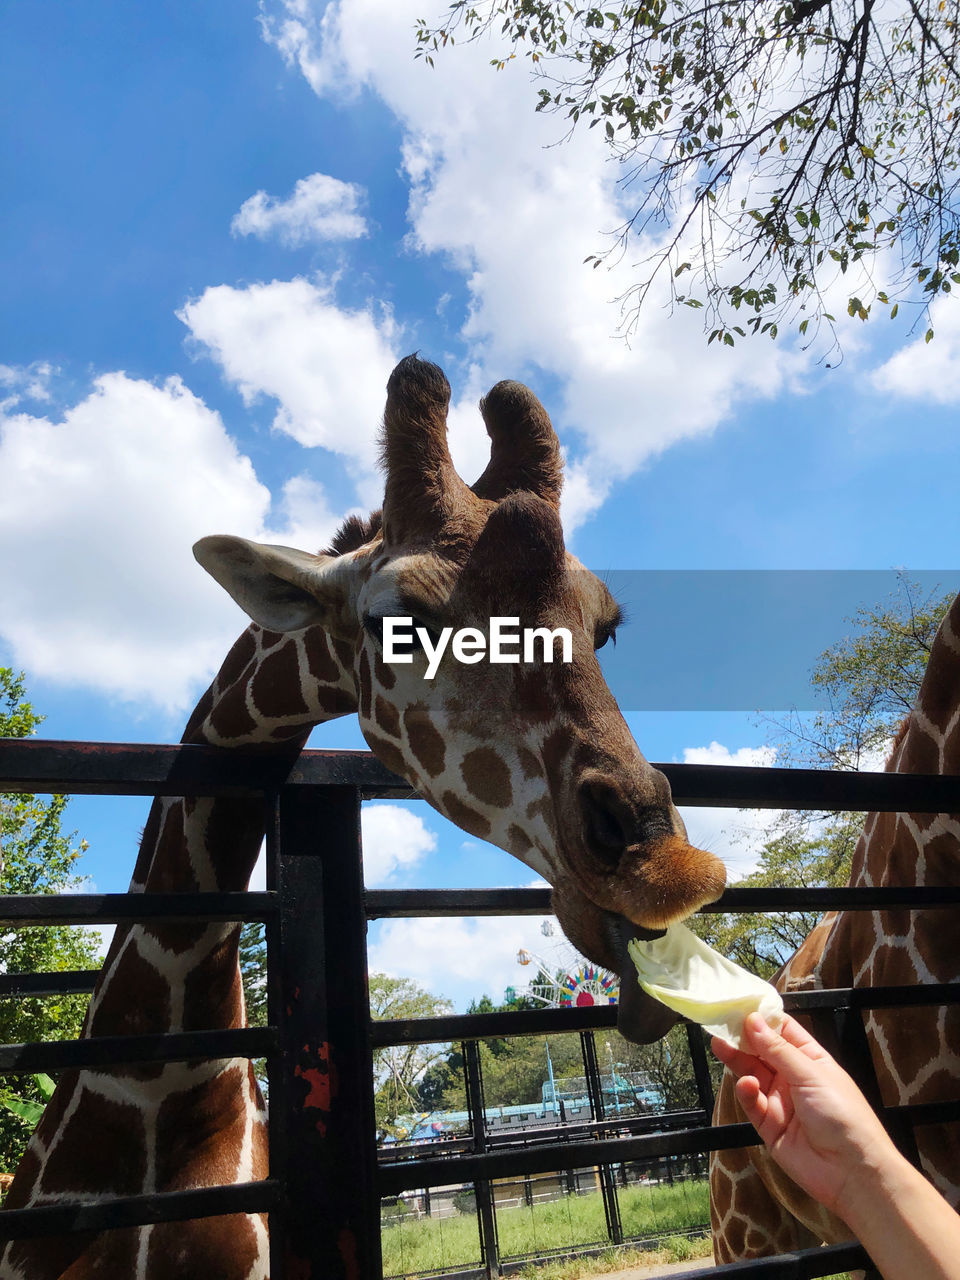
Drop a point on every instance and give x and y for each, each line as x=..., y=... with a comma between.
x=910, y=848
x=177, y=1125
x=270, y=692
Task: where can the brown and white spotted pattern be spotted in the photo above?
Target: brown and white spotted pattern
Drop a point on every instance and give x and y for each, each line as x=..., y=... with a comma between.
x=756, y=1210
x=536, y=758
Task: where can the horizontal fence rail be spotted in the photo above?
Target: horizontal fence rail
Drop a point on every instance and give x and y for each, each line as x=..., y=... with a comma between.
x=137, y=1211
x=801, y=1264
x=298, y=792
x=538, y=1022
x=117, y=1051
x=60, y=982
x=405, y=1174
x=131, y=769
x=414, y=903
x=122, y=908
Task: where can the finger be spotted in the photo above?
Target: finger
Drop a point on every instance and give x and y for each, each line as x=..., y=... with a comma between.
x=795, y=1064
x=740, y=1063
x=799, y=1036
x=753, y=1101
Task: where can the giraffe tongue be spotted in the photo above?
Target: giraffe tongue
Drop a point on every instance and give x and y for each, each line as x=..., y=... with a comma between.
x=640, y=1018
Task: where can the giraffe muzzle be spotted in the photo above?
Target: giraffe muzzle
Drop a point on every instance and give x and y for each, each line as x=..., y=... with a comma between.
x=614, y=827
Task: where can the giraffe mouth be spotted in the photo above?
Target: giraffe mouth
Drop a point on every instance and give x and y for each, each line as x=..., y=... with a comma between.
x=640, y=1019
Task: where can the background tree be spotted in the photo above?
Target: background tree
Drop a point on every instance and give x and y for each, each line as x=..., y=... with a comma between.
x=514, y=1068
x=665, y=1064
x=398, y=1069
x=38, y=857
x=253, y=973
x=869, y=679
x=772, y=148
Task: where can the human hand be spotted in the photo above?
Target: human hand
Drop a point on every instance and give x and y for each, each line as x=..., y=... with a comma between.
x=815, y=1121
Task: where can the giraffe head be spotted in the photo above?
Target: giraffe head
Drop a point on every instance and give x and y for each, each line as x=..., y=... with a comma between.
x=531, y=755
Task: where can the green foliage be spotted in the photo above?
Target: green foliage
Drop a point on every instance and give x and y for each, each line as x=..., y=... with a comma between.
x=38, y=857
x=870, y=679
x=803, y=850
x=253, y=974
x=253, y=971
x=513, y=1069
x=25, y=1109
x=666, y=1063
x=787, y=144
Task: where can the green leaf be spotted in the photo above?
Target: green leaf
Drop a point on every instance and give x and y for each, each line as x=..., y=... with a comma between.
x=23, y=1108
x=45, y=1084
x=928, y=335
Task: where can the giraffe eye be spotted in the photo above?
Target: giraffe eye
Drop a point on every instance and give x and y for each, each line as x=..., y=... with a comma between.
x=373, y=625
x=603, y=633
x=374, y=628
x=606, y=628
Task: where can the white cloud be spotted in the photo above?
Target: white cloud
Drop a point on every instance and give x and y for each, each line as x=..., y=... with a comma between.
x=295, y=27
x=308, y=520
x=928, y=371
x=320, y=208
x=394, y=840
x=517, y=217
x=25, y=382
x=459, y=958
x=100, y=510
x=735, y=835
x=325, y=366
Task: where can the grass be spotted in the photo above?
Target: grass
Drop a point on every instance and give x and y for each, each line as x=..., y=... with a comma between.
x=673, y=1249
x=435, y=1244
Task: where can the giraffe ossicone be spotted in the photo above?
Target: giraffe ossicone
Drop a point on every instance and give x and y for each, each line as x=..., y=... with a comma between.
x=534, y=757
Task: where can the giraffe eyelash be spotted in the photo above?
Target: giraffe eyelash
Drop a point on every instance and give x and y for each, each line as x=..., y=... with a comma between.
x=605, y=631
x=373, y=625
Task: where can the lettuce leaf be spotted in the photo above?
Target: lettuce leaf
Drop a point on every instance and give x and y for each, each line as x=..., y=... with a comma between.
x=686, y=975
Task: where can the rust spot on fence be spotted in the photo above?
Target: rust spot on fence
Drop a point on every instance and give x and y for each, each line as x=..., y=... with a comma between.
x=319, y=1074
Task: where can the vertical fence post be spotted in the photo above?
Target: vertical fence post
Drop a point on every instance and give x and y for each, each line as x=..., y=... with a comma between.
x=276, y=1093
x=486, y=1209
x=332, y=1210
x=701, y=1067
x=608, y=1186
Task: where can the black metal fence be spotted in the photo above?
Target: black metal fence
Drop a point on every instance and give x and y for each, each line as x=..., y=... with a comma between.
x=326, y=1181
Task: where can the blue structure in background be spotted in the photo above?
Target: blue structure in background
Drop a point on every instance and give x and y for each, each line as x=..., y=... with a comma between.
x=566, y=1100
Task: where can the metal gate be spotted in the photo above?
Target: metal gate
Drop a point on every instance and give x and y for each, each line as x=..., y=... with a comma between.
x=324, y=1192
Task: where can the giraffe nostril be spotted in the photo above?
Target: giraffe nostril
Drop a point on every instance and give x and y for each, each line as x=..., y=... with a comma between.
x=607, y=826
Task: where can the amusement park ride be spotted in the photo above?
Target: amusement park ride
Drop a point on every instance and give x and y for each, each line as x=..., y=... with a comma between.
x=566, y=980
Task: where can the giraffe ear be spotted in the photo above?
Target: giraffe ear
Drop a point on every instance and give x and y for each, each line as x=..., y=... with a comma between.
x=280, y=588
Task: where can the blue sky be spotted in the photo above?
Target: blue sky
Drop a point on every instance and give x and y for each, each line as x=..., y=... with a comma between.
x=221, y=225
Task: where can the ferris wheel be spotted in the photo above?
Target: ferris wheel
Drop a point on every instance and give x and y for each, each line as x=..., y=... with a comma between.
x=565, y=979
